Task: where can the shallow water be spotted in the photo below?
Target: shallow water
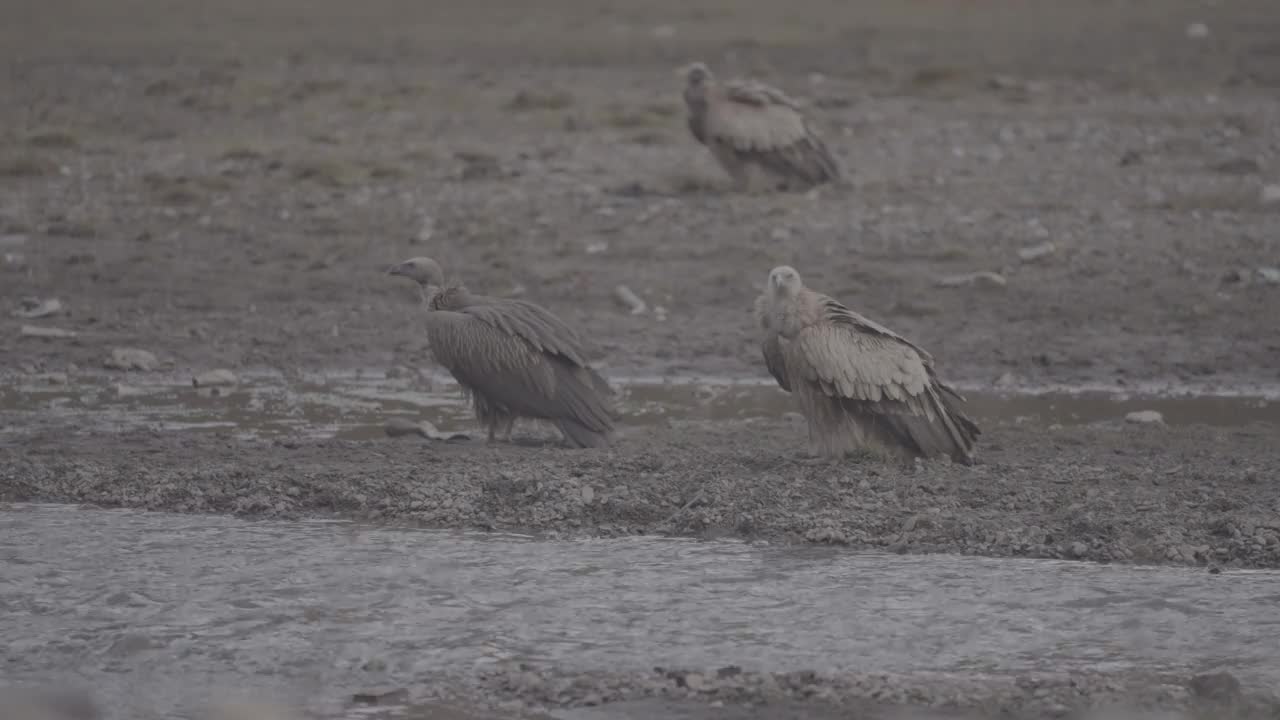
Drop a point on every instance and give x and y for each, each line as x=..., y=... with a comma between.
x=160, y=613
x=357, y=406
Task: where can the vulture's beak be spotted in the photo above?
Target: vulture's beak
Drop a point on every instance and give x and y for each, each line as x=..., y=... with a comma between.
x=398, y=269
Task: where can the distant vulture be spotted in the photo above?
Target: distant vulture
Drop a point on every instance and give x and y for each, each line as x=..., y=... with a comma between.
x=513, y=359
x=859, y=384
x=748, y=124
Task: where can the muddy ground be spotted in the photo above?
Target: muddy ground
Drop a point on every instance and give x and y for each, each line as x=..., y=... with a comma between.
x=222, y=184
x=1106, y=491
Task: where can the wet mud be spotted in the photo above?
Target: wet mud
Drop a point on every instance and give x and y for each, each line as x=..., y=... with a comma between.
x=223, y=186
x=1059, y=477
x=359, y=405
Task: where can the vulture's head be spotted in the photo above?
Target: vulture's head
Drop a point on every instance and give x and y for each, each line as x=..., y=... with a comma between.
x=697, y=77
x=784, y=281
x=422, y=270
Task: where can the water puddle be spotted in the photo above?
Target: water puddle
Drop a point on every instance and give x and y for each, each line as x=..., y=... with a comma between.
x=357, y=406
x=159, y=613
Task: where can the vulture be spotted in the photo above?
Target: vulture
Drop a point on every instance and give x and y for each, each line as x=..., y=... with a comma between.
x=513, y=359
x=749, y=124
x=859, y=384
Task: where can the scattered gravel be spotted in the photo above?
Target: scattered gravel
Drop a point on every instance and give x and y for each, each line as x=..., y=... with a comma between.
x=1114, y=492
x=522, y=687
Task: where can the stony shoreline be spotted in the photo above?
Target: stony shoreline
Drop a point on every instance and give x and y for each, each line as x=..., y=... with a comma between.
x=1109, y=492
x=730, y=691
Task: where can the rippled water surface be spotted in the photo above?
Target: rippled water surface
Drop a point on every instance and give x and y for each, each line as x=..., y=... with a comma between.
x=157, y=612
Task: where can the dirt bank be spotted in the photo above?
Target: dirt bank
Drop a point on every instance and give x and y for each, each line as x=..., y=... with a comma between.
x=1107, y=491
x=222, y=189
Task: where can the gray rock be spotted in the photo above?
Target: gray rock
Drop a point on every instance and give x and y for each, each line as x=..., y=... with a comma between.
x=1269, y=275
x=392, y=696
x=213, y=378
x=131, y=359
x=1035, y=252
x=31, y=308
x=1144, y=416
x=985, y=278
x=46, y=332
x=1217, y=686
x=1270, y=194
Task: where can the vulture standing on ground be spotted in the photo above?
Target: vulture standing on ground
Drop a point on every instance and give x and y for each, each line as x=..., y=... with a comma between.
x=747, y=124
x=513, y=359
x=859, y=384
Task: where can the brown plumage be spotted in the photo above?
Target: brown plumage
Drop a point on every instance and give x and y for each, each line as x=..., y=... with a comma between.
x=859, y=384
x=513, y=359
x=748, y=124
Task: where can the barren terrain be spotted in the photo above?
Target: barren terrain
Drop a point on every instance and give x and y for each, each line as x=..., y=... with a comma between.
x=223, y=184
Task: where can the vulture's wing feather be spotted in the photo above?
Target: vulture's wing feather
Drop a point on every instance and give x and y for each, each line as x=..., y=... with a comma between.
x=876, y=371
x=514, y=372
x=761, y=123
x=756, y=117
x=542, y=329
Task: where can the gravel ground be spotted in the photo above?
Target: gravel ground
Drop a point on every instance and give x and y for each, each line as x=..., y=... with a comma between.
x=1108, y=491
x=224, y=189
x=523, y=692
x=729, y=692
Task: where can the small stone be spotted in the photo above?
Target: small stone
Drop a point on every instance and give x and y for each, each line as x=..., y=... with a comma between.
x=1269, y=275
x=629, y=300
x=31, y=308
x=131, y=359
x=1144, y=416
x=393, y=696
x=1006, y=380
x=1214, y=686
x=1270, y=194
x=1035, y=252
x=213, y=378
x=695, y=681
x=1197, y=31
x=986, y=278
x=588, y=494
x=426, y=231
x=1079, y=549
x=1237, y=166
x=401, y=427
x=46, y=332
